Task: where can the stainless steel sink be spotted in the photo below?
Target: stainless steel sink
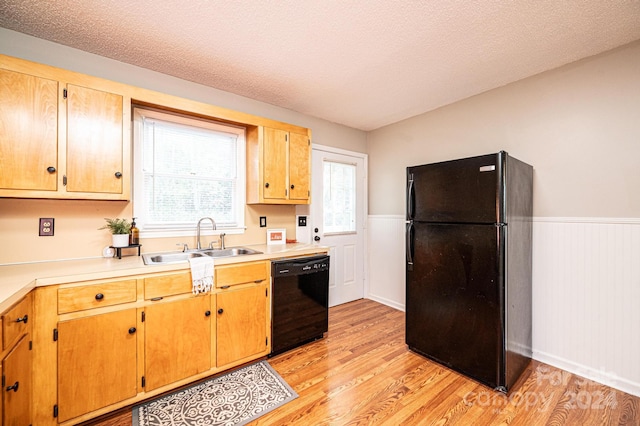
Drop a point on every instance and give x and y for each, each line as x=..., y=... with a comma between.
x=177, y=257
x=234, y=251
x=164, y=258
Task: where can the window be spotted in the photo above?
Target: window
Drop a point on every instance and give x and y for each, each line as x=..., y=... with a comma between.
x=186, y=169
x=339, y=198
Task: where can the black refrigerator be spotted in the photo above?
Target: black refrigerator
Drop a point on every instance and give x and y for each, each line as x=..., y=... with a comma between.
x=468, y=266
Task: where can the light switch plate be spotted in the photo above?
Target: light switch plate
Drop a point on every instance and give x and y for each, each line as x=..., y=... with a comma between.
x=46, y=227
x=263, y=221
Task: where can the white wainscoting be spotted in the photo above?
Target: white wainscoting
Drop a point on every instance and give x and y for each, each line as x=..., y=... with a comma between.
x=385, y=240
x=586, y=292
x=586, y=298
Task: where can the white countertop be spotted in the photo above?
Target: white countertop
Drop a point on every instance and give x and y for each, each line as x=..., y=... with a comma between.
x=17, y=280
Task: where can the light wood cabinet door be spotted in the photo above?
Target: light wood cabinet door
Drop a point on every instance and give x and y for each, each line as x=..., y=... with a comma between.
x=17, y=321
x=241, y=323
x=275, y=164
x=94, y=141
x=177, y=340
x=250, y=272
x=96, y=362
x=16, y=392
x=28, y=132
x=299, y=166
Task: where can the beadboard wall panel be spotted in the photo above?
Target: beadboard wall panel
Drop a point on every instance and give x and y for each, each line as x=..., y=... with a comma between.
x=586, y=298
x=586, y=292
x=386, y=260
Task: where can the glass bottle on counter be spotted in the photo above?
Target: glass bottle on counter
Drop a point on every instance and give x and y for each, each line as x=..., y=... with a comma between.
x=134, y=236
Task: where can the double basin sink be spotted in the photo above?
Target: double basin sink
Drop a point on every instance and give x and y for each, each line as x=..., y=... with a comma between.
x=177, y=257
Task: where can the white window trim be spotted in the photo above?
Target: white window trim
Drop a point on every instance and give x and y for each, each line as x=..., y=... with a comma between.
x=184, y=229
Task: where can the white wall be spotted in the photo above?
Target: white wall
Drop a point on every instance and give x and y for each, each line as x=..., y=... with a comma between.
x=579, y=126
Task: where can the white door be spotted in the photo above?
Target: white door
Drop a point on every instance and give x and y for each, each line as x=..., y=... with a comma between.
x=338, y=218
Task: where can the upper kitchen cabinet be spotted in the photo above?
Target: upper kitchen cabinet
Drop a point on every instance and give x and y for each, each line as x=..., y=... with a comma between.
x=94, y=141
x=29, y=132
x=62, y=134
x=278, y=166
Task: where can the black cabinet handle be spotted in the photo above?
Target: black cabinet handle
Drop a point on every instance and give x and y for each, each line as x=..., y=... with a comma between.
x=207, y=313
x=24, y=319
x=99, y=296
x=118, y=175
x=132, y=330
x=266, y=185
x=13, y=387
x=51, y=169
x=293, y=186
x=220, y=310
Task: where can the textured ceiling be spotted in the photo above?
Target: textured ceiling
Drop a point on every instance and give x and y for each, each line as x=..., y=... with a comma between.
x=362, y=63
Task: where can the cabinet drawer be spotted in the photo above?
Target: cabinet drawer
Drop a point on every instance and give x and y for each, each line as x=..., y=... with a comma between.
x=16, y=321
x=242, y=273
x=167, y=285
x=97, y=295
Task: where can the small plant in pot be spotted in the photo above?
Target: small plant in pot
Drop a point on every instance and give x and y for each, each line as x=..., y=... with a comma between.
x=119, y=229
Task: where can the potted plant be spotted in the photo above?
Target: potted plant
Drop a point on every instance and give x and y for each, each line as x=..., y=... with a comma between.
x=119, y=229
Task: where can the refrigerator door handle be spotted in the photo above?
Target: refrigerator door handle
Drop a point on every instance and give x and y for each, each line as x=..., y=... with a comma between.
x=409, y=241
x=410, y=198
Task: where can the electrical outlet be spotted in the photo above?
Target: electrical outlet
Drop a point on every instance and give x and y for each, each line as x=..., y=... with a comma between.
x=263, y=221
x=46, y=227
x=302, y=221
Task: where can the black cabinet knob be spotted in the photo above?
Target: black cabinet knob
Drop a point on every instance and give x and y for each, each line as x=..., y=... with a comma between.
x=266, y=185
x=51, y=169
x=207, y=313
x=220, y=310
x=118, y=175
x=24, y=319
x=13, y=387
x=316, y=238
x=99, y=296
x=293, y=186
x=132, y=330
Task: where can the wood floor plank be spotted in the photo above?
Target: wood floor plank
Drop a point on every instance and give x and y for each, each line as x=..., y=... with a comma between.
x=362, y=373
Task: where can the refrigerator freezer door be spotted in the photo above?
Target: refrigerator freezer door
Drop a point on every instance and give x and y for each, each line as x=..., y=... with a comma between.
x=469, y=190
x=454, y=300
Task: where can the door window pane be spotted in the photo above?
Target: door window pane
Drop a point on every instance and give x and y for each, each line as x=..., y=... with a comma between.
x=339, y=198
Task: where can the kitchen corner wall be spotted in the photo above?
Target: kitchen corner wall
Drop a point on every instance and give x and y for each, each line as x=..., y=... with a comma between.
x=579, y=126
x=76, y=222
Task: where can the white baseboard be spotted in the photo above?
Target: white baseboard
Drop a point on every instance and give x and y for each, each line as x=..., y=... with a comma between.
x=607, y=378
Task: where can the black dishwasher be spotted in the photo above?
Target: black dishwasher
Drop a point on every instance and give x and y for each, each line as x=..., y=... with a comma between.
x=299, y=302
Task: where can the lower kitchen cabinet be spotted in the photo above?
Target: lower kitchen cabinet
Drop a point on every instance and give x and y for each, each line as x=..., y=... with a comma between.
x=112, y=342
x=16, y=384
x=241, y=323
x=96, y=362
x=177, y=340
x=16, y=363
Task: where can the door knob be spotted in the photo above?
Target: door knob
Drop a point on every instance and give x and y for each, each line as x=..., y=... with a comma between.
x=207, y=313
x=220, y=310
x=118, y=175
x=132, y=330
x=51, y=169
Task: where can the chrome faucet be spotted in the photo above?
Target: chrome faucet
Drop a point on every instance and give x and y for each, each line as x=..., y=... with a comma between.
x=213, y=222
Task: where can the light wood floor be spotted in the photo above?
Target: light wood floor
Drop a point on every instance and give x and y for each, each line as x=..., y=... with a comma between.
x=362, y=373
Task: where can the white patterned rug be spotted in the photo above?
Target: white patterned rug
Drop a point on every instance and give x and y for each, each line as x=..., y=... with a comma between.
x=235, y=399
